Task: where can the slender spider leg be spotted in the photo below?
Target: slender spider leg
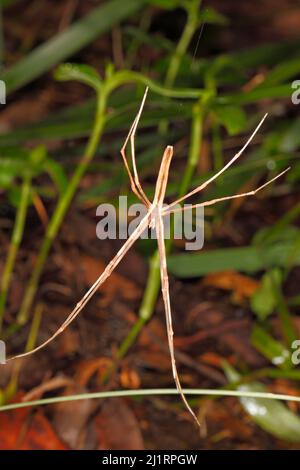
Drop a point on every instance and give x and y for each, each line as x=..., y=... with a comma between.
x=166, y=210
x=166, y=298
x=132, y=141
x=134, y=180
x=101, y=279
x=210, y=180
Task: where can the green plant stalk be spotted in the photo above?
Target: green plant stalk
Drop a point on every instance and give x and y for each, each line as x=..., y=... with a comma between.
x=128, y=76
x=285, y=318
x=190, y=28
x=184, y=42
x=16, y=239
x=151, y=392
x=63, y=205
x=284, y=315
x=153, y=282
x=12, y=386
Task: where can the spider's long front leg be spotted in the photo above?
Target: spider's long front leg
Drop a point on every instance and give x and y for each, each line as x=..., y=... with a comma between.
x=134, y=180
x=169, y=210
x=166, y=298
x=101, y=279
x=214, y=177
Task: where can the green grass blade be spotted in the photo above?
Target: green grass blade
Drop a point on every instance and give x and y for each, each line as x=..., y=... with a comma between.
x=272, y=349
x=67, y=43
x=149, y=393
x=245, y=259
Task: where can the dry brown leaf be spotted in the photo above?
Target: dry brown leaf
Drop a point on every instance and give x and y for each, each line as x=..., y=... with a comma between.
x=117, y=427
x=20, y=431
x=85, y=369
x=242, y=287
x=129, y=378
x=117, y=285
x=70, y=419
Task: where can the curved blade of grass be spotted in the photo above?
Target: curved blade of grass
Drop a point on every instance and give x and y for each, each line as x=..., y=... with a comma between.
x=272, y=349
x=283, y=72
x=257, y=94
x=232, y=68
x=76, y=121
x=67, y=43
x=151, y=392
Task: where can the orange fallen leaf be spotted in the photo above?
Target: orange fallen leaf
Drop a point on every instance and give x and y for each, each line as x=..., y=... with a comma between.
x=86, y=368
x=21, y=431
x=211, y=359
x=129, y=378
x=116, y=285
x=242, y=286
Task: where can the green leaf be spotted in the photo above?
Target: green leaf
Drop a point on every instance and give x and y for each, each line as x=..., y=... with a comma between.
x=14, y=195
x=211, y=16
x=7, y=174
x=245, y=259
x=14, y=162
x=271, y=415
x=265, y=298
x=270, y=348
x=142, y=37
x=57, y=174
x=167, y=4
x=80, y=73
x=37, y=156
x=280, y=232
x=233, y=118
x=283, y=72
x=290, y=140
x=257, y=94
x=76, y=120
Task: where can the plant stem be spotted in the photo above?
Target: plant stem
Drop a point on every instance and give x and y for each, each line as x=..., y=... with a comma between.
x=151, y=392
x=12, y=387
x=153, y=282
x=190, y=28
x=16, y=239
x=285, y=317
x=63, y=205
x=184, y=42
